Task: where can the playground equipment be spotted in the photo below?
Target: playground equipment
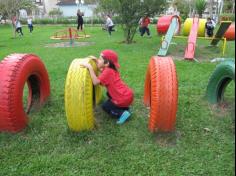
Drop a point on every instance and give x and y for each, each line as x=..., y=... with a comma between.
x=172, y=23
x=164, y=23
x=230, y=33
x=194, y=28
x=161, y=94
x=224, y=25
x=221, y=77
x=188, y=24
x=68, y=34
x=192, y=40
x=15, y=71
x=81, y=96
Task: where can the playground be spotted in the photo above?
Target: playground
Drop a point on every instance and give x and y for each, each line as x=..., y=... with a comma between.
x=202, y=143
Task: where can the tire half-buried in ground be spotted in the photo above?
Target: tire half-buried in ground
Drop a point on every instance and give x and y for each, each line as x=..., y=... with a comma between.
x=81, y=96
x=15, y=71
x=221, y=77
x=161, y=94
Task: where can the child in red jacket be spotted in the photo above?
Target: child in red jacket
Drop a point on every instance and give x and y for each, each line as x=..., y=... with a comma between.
x=145, y=23
x=120, y=96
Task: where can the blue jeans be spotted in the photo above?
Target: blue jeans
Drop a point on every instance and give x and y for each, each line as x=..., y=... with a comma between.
x=112, y=109
x=31, y=27
x=144, y=30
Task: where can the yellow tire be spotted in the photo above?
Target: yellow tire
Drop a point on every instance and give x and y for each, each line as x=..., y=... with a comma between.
x=188, y=26
x=202, y=28
x=80, y=96
x=98, y=94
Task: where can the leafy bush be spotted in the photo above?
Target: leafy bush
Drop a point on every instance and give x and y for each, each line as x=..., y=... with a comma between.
x=55, y=13
x=227, y=16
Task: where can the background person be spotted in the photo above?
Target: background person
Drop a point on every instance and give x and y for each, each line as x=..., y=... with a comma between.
x=109, y=24
x=145, y=26
x=80, y=20
x=30, y=24
x=19, y=27
x=210, y=26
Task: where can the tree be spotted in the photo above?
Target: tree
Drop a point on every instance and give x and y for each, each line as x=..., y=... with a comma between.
x=229, y=6
x=183, y=6
x=55, y=13
x=10, y=8
x=106, y=7
x=130, y=12
x=200, y=6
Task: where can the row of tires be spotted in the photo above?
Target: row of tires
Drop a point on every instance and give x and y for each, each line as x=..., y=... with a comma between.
x=165, y=21
x=161, y=91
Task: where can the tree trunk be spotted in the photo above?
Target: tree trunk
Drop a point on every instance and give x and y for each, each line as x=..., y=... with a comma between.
x=129, y=34
x=13, y=28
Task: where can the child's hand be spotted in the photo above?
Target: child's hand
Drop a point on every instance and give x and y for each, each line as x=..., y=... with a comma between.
x=86, y=65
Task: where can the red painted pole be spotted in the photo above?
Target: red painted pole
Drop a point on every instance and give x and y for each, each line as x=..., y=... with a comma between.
x=70, y=34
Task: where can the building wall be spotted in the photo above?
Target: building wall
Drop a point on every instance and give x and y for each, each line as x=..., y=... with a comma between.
x=71, y=10
x=50, y=5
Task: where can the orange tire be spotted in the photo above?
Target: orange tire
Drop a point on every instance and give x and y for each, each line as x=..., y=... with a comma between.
x=161, y=94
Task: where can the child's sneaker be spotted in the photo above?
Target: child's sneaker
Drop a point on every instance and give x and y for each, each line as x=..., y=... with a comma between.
x=124, y=117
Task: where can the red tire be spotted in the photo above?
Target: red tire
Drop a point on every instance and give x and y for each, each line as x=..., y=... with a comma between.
x=164, y=22
x=230, y=33
x=15, y=71
x=161, y=93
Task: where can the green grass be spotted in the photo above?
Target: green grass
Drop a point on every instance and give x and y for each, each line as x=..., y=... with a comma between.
x=48, y=147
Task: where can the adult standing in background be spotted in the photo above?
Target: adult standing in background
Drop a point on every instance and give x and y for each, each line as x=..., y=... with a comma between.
x=80, y=20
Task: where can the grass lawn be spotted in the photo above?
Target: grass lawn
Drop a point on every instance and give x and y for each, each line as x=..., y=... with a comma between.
x=203, y=143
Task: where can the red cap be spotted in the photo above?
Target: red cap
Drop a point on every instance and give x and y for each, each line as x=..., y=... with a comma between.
x=111, y=56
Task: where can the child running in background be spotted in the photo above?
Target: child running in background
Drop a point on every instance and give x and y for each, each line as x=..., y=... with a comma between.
x=30, y=24
x=120, y=96
x=109, y=24
x=145, y=23
x=210, y=26
x=18, y=27
x=140, y=23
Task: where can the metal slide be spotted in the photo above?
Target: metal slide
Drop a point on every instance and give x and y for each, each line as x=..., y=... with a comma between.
x=167, y=40
x=224, y=25
x=192, y=40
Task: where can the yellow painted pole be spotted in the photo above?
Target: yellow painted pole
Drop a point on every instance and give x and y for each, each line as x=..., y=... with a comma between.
x=205, y=38
x=162, y=39
x=224, y=46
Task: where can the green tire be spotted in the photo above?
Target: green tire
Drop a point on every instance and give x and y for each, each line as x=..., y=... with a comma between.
x=221, y=77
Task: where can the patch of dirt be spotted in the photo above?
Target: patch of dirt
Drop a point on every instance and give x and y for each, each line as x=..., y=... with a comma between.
x=168, y=139
x=98, y=112
x=68, y=44
x=223, y=109
x=203, y=53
